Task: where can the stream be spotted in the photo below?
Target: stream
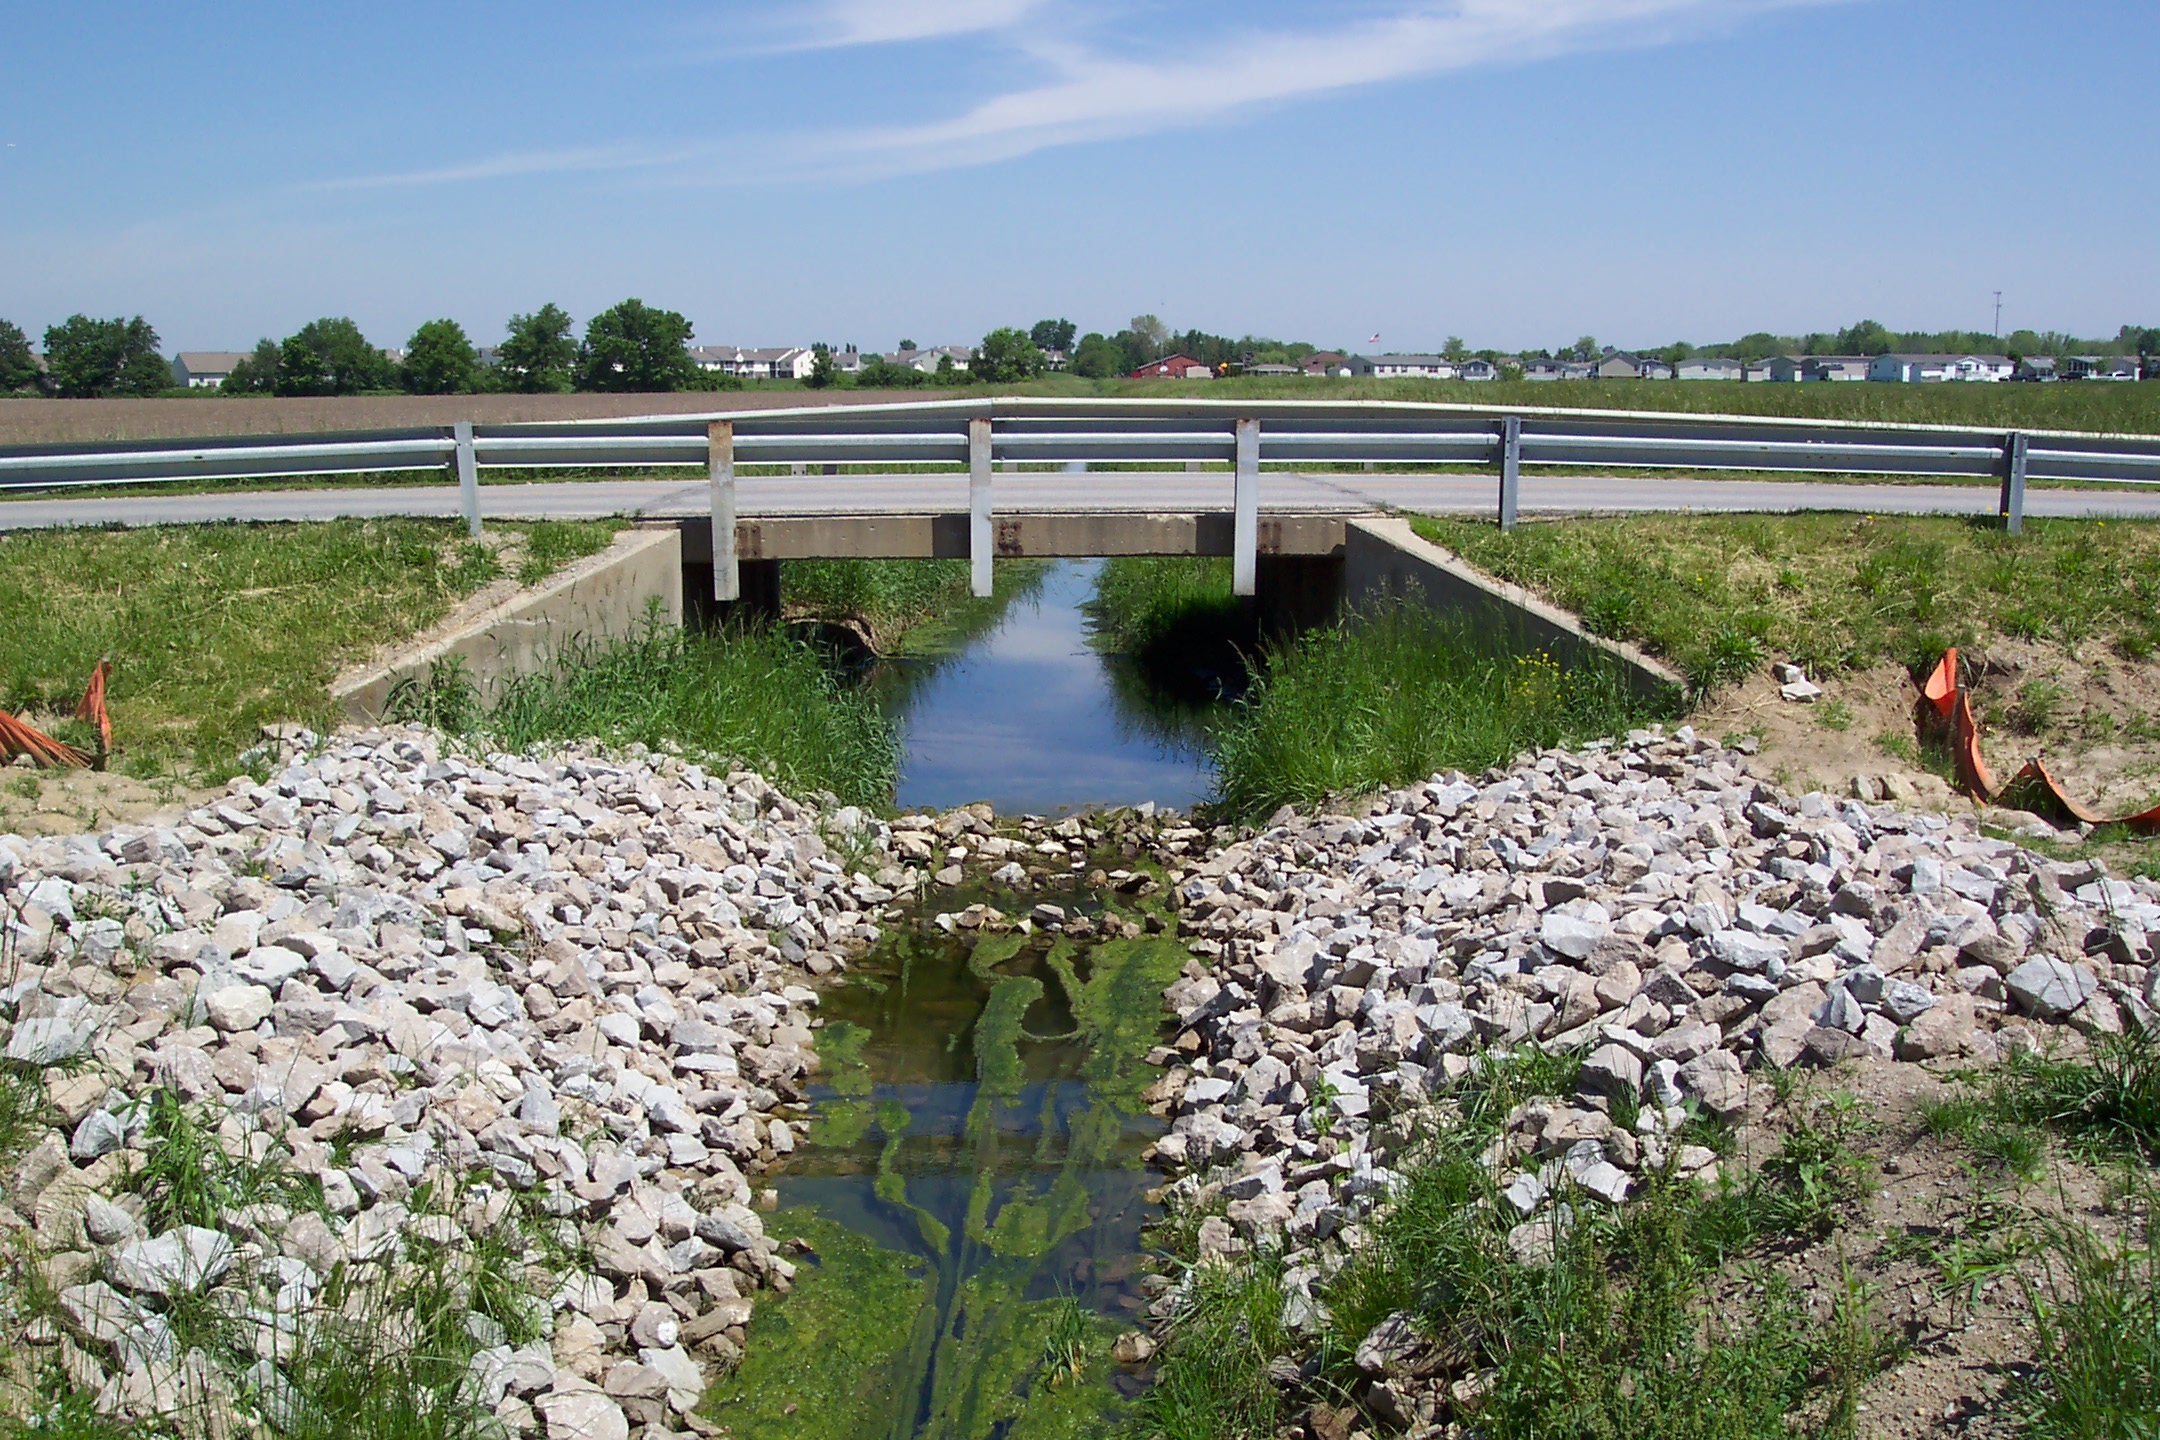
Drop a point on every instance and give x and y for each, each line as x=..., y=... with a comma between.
x=970, y=1196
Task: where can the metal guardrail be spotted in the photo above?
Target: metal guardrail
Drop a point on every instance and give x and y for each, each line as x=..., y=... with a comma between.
x=1250, y=434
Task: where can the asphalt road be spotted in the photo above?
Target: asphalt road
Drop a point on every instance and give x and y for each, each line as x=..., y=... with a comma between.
x=1114, y=491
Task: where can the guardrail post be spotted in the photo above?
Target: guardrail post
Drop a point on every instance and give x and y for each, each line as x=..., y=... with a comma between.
x=720, y=466
x=1510, y=470
x=1245, y=512
x=2012, y=508
x=980, y=547
x=468, y=477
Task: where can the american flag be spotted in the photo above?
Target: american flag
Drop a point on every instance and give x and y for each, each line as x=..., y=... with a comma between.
x=1373, y=339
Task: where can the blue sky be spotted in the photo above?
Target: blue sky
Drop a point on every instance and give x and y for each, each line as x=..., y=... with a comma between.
x=1517, y=172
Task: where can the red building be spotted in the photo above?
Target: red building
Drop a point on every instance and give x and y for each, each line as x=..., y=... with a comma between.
x=1173, y=367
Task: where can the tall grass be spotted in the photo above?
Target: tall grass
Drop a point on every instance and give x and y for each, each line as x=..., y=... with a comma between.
x=749, y=695
x=1394, y=695
x=1178, y=621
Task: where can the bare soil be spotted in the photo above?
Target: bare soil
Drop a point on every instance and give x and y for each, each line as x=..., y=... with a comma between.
x=73, y=802
x=32, y=421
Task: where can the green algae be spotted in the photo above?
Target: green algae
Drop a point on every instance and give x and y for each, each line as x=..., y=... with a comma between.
x=995, y=1165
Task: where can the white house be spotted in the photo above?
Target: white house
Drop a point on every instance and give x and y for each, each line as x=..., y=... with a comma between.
x=784, y=362
x=1478, y=370
x=1653, y=369
x=1914, y=369
x=1765, y=370
x=1704, y=367
x=204, y=369
x=1396, y=367
x=1541, y=370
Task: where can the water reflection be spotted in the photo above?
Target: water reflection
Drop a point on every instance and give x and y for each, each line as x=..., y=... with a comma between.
x=1032, y=719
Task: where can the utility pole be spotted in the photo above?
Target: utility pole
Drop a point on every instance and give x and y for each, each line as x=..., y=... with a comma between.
x=1997, y=331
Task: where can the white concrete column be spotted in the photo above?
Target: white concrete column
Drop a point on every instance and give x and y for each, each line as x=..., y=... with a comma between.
x=468, y=477
x=981, y=545
x=1510, y=470
x=1245, y=512
x=2013, y=487
x=720, y=466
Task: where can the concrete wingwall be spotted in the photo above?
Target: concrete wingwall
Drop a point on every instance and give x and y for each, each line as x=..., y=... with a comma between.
x=610, y=596
x=1384, y=558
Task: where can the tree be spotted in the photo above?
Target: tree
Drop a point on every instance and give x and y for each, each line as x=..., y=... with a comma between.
x=1154, y=334
x=331, y=357
x=822, y=371
x=635, y=347
x=1053, y=335
x=85, y=357
x=907, y=345
x=1455, y=349
x=255, y=375
x=949, y=372
x=1585, y=348
x=878, y=373
x=1760, y=345
x=1097, y=358
x=1865, y=338
x=439, y=360
x=1007, y=356
x=18, y=367
x=538, y=357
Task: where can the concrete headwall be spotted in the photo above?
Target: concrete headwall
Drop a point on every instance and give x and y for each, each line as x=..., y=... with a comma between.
x=1385, y=558
x=605, y=597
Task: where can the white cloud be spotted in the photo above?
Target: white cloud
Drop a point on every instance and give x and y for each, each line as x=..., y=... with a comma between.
x=499, y=167
x=1094, y=95
x=838, y=23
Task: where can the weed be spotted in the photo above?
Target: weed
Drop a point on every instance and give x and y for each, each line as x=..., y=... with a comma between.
x=1213, y=1379
x=2107, y=1103
x=1395, y=695
x=552, y=544
x=2039, y=703
x=2096, y=1330
x=1834, y=715
x=446, y=698
x=747, y=695
x=26, y=786
x=1064, y=1351
x=187, y=1177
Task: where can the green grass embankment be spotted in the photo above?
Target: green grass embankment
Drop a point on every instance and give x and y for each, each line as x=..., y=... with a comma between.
x=215, y=630
x=1717, y=595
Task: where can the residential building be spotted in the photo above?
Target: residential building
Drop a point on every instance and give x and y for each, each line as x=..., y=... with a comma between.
x=1174, y=367
x=1273, y=370
x=1915, y=369
x=1396, y=367
x=781, y=362
x=1477, y=370
x=1705, y=367
x=1762, y=371
x=1541, y=370
x=1617, y=366
x=1652, y=368
x=1577, y=370
x=204, y=369
x=1055, y=360
x=1323, y=362
x=2036, y=368
x=1835, y=368
x=2118, y=367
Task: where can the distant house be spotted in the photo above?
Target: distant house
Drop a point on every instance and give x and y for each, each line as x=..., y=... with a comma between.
x=2036, y=367
x=1541, y=370
x=1577, y=370
x=1704, y=367
x=1173, y=367
x=1764, y=370
x=2114, y=367
x=1652, y=368
x=1322, y=362
x=1054, y=360
x=1395, y=367
x=1617, y=366
x=1834, y=368
x=204, y=369
x=1273, y=370
x=1477, y=370
x=1916, y=369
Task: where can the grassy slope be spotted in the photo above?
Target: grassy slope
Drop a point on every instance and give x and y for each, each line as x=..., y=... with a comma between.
x=1716, y=594
x=214, y=630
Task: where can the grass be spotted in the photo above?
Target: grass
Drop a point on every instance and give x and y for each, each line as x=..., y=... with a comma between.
x=1394, y=696
x=215, y=630
x=882, y=599
x=750, y=696
x=2096, y=1336
x=1718, y=595
x=2105, y=1105
x=1656, y=1319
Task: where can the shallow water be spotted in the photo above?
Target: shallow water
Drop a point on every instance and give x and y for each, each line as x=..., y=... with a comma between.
x=1031, y=718
x=971, y=1189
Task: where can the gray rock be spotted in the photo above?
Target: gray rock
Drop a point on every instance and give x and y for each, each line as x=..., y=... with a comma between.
x=1611, y=1070
x=100, y=1133
x=1571, y=935
x=181, y=1261
x=1744, y=950
x=2050, y=988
